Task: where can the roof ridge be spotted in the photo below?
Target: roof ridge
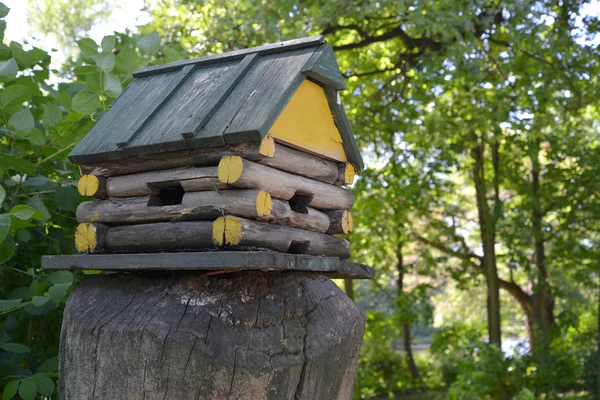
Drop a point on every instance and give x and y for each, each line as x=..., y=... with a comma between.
x=268, y=48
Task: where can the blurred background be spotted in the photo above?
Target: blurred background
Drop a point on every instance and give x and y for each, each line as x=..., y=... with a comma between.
x=479, y=208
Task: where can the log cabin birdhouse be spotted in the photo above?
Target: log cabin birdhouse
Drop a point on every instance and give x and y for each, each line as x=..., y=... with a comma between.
x=248, y=150
x=239, y=163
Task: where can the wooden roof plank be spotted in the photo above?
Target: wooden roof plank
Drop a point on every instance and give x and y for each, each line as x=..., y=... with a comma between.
x=269, y=48
x=341, y=121
x=229, y=108
x=269, y=97
x=182, y=111
x=126, y=116
x=322, y=67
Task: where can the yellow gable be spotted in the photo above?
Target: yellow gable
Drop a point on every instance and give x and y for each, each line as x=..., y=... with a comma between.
x=307, y=123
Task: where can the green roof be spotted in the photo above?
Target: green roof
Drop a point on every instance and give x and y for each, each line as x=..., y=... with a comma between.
x=215, y=101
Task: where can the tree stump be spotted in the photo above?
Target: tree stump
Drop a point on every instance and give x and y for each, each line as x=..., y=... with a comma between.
x=243, y=335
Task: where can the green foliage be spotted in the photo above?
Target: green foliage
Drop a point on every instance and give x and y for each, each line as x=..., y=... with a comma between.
x=39, y=123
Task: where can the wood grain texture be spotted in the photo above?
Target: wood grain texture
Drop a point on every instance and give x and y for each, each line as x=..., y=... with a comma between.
x=270, y=48
x=341, y=222
x=245, y=335
x=322, y=67
x=161, y=236
x=210, y=261
x=281, y=184
x=147, y=183
x=236, y=231
x=91, y=185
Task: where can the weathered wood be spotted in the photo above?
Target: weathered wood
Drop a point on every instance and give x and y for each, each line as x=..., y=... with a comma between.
x=148, y=183
x=323, y=68
x=203, y=184
x=244, y=335
x=236, y=171
x=91, y=185
x=340, y=221
x=202, y=205
x=235, y=231
x=346, y=173
x=161, y=236
x=210, y=261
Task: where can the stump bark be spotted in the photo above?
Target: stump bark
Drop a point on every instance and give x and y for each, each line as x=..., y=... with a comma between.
x=244, y=335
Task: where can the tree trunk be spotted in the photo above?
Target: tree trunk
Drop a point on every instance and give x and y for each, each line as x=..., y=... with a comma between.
x=245, y=335
x=488, y=241
x=406, y=337
x=542, y=298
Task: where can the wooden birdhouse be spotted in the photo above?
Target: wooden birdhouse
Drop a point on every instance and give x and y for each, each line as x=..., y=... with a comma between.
x=248, y=150
x=239, y=163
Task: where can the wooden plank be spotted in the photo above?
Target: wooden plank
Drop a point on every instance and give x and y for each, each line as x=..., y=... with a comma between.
x=236, y=231
x=269, y=97
x=269, y=48
x=208, y=261
x=148, y=183
x=182, y=113
x=236, y=171
x=322, y=67
x=125, y=117
x=341, y=121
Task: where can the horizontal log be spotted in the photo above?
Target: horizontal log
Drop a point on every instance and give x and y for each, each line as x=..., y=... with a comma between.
x=148, y=183
x=340, y=221
x=202, y=206
x=239, y=172
x=266, y=152
x=235, y=231
x=161, y=236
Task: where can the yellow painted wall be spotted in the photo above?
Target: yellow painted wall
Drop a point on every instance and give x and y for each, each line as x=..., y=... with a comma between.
x=307, y=123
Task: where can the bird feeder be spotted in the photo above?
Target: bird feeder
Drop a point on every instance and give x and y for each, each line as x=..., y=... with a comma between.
x=235, y=162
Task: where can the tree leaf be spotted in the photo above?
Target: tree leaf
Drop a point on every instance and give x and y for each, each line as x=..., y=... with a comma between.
x=58, y=292
x=127, y=61
x=2, y=197
x=6, y=305
x=37, y=203
x=86, y=102
x=26, y=212
x=16, y=93
x=18, y=164
x=17, y=348
x=60, y=277
x=44, y=385
x=52, y=115
x=27, y=389
x=149, y=44
x=7, y=249
x=87, y=46
x=22, y=121
x=4, y=226
x=3, y=10
x=108, y=44
x=10, y=390
x=50, y=365
x=39, y=301
x=8, y=70
x=105, y=61
x=112, y=86
x=36, y=138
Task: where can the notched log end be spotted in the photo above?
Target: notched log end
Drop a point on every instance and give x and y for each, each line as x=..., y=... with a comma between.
x=91, y=185
x=264, y=204
x=227, y=230
x=267, y=147
x=349, y=174
x=88, y=237
x=230, y=169
x=347, y=222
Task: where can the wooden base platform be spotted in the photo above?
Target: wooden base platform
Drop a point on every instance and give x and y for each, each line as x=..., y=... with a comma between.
x=224, y=261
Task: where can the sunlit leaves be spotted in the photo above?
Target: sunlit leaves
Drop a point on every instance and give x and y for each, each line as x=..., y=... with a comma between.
x=149, y=44
x=105, y=61
x=8, y=70
x=22, y=121
x=86, y=102
x=112, y=86
x=87, y=46
x=52, y=115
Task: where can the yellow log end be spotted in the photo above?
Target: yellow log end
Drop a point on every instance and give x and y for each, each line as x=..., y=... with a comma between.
x=227, y=230
x=264, y=204
x=267, y=146
x=230, y=169
x=85, y=238
x=349, y=174
x=347, y=222
x=88, y=185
